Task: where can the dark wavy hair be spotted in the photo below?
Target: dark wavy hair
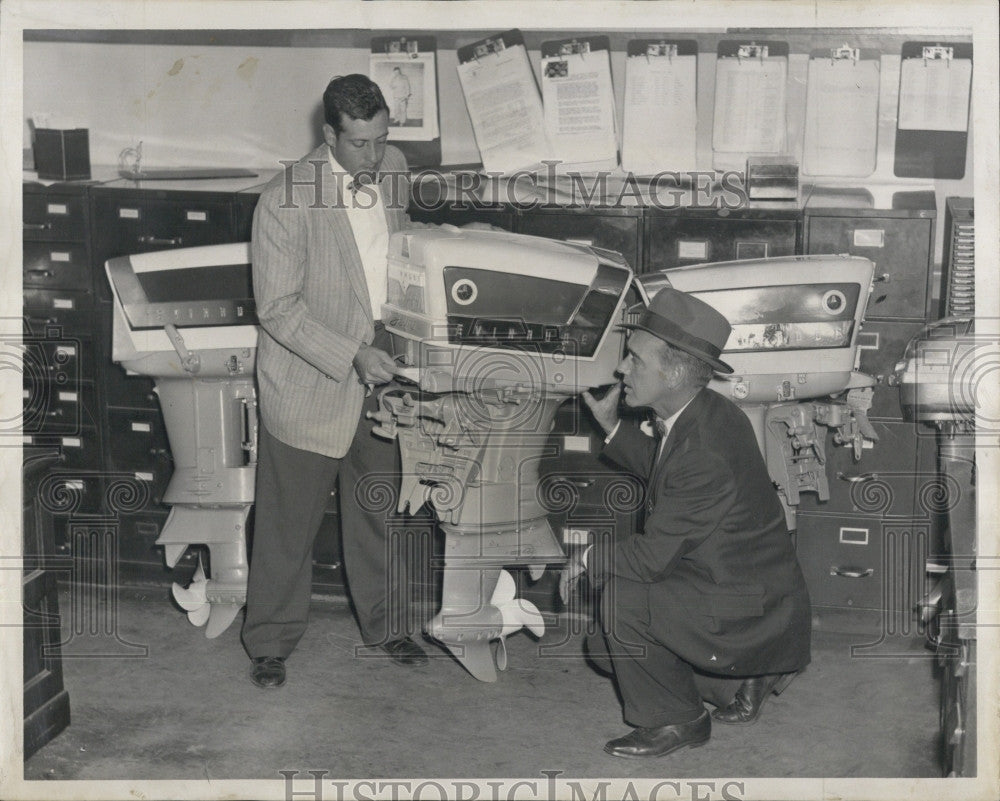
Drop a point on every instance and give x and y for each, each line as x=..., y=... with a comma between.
x=355, y=95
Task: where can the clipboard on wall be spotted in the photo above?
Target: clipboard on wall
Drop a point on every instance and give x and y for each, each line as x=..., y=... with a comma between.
x=661, y=84
x=579, y=103
x=405, y=68
x=932, y=122
x=842, y=99
x=750, y=100
x=504, y=104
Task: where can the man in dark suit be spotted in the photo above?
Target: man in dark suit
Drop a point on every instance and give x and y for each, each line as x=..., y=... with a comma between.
x=708, y=601
x=320, y=248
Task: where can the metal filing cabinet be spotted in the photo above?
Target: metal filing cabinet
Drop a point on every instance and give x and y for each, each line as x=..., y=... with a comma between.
x=61, y=353
x=865, y=548
x=899, y=239
x=678, y=237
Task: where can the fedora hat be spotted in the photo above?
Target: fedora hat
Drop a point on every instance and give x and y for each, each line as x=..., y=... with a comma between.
x=688, y=323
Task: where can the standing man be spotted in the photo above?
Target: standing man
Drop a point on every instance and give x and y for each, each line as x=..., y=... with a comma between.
x=320, y=248
x=708, y=601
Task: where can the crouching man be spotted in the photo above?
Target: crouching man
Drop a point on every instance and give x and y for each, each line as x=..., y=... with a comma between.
x=707, y=602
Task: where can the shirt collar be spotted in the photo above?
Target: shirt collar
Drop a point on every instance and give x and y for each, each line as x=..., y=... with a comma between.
x=669, y=422
x=347, y=180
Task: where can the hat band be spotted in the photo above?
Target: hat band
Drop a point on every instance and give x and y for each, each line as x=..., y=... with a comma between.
x=669, y=330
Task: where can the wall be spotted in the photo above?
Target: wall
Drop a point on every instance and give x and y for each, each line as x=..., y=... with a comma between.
x=252, y=98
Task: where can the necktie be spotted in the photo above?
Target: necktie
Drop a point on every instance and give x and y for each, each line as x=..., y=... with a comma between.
x=661, y=428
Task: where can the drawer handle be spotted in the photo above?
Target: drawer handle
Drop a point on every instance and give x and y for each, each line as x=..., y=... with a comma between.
x=885, y=278
x=54, y=413
x=37, y=226
x=579, y=483
x=42, y=320
x=153, y=240
x=39, y=273
x=851, y=572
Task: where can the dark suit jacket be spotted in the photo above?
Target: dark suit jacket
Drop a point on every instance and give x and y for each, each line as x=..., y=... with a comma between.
x=714, y=563
x=312, y=301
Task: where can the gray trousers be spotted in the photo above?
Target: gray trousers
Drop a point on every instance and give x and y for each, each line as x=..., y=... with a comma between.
x=292, y=492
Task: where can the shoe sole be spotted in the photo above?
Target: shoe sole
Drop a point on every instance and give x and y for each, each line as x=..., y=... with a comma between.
x=265, y=686
x=659, y=754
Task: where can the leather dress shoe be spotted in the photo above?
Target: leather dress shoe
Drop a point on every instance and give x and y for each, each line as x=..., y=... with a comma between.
x=267, y=671
x=662, y=740
x=750, y=697
x=405, y=651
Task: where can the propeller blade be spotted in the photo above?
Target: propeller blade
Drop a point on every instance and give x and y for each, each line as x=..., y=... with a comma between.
x=505, y=589
x=220, y=618
x=199, y=615
x=520, y=612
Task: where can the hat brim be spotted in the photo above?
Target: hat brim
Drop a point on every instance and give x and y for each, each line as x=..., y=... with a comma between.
x=717, y=364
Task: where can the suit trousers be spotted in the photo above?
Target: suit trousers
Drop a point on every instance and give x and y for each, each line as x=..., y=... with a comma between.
x=292, y=492
x=658, y=687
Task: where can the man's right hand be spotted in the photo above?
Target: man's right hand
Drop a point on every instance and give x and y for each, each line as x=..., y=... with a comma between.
x=605, y=410
x=374, y=365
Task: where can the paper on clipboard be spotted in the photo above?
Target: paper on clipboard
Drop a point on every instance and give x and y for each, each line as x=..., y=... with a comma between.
x=750, y=105
x=660, y=119
x=506, y=112
x=841, y=133
x=579, y=108
x=934, y=94
x=409, y=84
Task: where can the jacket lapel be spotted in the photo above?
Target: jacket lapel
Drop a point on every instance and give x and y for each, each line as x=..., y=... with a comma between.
x=677, y=433
x=336, y=216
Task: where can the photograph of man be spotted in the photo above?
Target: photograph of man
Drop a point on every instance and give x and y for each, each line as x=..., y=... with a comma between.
x=320, y=248
x=399, y=86
x=707, y=602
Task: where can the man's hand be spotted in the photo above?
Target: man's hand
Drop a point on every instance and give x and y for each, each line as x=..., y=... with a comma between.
x=605, y=410
x=570, y=576
x=374, y=365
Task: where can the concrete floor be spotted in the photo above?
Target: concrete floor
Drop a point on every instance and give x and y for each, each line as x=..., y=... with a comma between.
x=186, y=710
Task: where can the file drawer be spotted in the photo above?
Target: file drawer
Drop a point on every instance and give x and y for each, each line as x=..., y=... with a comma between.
x=900, y=241
x=138, y=439
x=70, y=310
x=62, y=265
x=53, y=409
x=863, y=562
x=78, y=451
x=137, y=225
x=61, y=361
x=54, y=217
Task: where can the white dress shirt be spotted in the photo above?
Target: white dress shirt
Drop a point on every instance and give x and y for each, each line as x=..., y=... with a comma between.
x=366, y=213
